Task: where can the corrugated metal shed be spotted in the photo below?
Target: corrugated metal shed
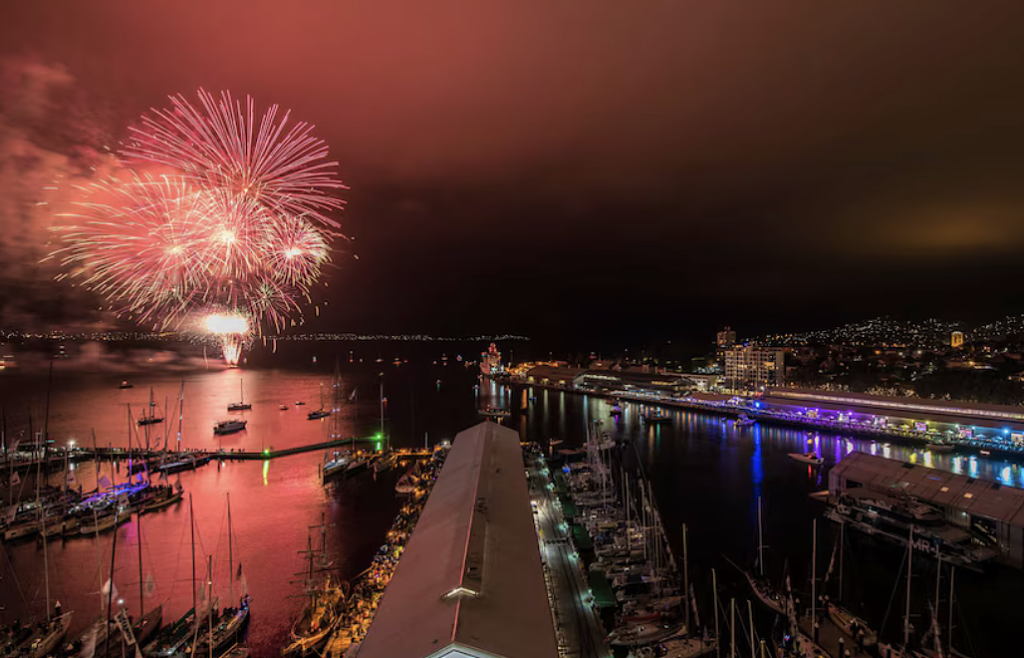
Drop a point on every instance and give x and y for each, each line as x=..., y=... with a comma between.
x=470, y=582
x=977, y=497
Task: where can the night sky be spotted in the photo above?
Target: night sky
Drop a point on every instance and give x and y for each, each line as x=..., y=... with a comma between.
x=604, y=171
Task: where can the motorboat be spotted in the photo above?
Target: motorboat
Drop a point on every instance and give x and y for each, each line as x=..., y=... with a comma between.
x=299, y=403
x=229, y=426
x=807, y=458
x=495, y=413
x=125, y=384
x=284, y=407
x=744, y=421
x=318, y=414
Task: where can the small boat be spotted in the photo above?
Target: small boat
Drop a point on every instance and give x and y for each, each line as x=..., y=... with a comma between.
x=163, y=500
x=240, y=405
x=229, y=426
x=677, y=647
x=334, y=466
x=125, y=384
x=299, y=403
x=150, y=418
x=744, y=421
x=638, y=636
x=318, y=414
x=985, y=452
x=846, y=620
x=616, y=411
x=496, y=413
x=941, y=447
x=283, y=407
x=43, y=643
x=807, y=458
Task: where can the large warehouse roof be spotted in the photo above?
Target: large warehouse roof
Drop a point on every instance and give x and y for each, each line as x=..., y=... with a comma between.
x=977, y=497
x=470, y=581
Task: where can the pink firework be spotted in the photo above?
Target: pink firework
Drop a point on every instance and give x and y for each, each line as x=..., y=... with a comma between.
x=219, y=145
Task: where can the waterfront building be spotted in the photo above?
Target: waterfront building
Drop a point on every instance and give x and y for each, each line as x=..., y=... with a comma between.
x=966, y=421
x=992, y=513
x=726, y=338
x=956, y=339
x=470, y=582
x=754, y=368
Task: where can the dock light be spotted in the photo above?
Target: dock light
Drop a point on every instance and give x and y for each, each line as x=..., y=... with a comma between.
x=266, y=451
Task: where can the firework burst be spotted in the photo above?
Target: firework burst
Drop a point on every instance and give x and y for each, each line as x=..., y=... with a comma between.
x=218, y=144
x=237, y=230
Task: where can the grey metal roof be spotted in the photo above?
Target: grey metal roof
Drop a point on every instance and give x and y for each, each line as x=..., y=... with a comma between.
x=976, y=496
x=470, y=577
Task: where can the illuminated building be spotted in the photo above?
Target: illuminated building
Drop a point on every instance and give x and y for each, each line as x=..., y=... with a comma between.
x=754, y=368
x=957, y=339
x=726, y=337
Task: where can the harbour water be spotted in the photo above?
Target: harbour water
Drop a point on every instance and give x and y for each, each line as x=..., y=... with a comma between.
x=705, y=471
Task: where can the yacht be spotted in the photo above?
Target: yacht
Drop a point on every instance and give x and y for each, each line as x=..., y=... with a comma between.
x=744, y=421
x=241, y=404
x=807, y=458
x=229, y=426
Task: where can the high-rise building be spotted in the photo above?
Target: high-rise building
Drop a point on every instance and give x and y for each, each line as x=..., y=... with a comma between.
x=957, y=339
x=754, y=368
x=726, y=337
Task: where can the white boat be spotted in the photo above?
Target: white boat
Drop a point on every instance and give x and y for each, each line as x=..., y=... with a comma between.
x=104, y=523
x=229, y=426
x=334, y=466
x=807, y=458
x=744, y=421
x=240, y=405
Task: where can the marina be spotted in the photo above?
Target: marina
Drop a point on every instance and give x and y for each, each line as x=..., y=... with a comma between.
x=587, y=421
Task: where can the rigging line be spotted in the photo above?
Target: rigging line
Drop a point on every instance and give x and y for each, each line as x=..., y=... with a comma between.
x=892, y=597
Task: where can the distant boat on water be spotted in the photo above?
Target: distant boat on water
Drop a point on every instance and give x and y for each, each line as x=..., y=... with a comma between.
x=240, y=405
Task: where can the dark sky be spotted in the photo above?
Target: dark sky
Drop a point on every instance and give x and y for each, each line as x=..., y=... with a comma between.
x=587, y=169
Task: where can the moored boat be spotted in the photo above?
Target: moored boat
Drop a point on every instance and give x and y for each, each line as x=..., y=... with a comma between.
x=229, y=426
x=807, y=458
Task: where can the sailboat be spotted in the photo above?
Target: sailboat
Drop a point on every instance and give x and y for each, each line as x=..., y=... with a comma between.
x=172, y=639
x=320, y=616
x=850, y=623
x=226, y=630
x=149, y=416
x=240, y=405
x=763, y=589
x=321, y=412
x=46, y=637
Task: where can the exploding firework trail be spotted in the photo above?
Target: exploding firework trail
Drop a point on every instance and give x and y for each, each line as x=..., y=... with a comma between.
x=239, y=227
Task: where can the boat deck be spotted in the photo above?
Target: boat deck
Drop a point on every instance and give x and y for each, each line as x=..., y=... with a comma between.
x=828, y=638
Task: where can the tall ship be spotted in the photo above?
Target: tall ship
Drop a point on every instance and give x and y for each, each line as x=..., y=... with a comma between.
x=324, y=596
x=490, y=362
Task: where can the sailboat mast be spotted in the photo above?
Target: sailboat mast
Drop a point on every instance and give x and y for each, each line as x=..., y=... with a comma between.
x=906, y=614
x=181, y=411
x=138, y=540
x=42, y=522
x=96, y=460
x=110, y=591
x=686, y=580
x=814, y=572
x=842, y=548
x=938, y=585
x=732, y=628
x=760, y=540
x=192, y=525
x=949, y=627
x=750, y=616
x=718, y=637
x=209, y=581
x=382, y=416
x=231, y=556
